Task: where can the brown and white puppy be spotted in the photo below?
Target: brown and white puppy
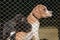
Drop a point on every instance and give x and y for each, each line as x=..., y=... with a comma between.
x=40, y=11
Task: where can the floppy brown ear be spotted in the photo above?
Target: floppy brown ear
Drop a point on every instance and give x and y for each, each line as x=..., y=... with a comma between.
x=36, y=8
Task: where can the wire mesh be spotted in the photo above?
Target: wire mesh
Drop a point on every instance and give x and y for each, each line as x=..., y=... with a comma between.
x=10, y=8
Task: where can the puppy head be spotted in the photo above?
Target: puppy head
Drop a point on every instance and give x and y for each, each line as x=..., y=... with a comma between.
x=41, y=11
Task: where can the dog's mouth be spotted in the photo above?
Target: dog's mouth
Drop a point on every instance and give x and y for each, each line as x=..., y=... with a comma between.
x=48, y=14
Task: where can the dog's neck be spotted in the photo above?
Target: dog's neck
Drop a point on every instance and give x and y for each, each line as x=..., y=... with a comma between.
x=35, y=16
x=32, y=19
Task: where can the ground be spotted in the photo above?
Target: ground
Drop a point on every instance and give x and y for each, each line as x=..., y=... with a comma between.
x=50, y=33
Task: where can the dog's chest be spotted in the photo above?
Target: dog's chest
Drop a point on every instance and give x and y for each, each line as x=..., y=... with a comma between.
x=35, y=26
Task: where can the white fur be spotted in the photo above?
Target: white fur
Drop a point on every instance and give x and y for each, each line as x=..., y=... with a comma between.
x=34, y=32
x=12, y=33
x=48, y=13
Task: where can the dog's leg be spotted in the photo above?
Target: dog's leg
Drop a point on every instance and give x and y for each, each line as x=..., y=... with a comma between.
x=35, y=32
x=32, y=34
x=36, y=36
x=29, y=36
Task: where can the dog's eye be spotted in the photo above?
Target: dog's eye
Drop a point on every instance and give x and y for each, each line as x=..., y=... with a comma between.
x=44, y=9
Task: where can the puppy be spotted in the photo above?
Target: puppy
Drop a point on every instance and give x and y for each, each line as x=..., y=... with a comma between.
x=15, y=25
x=40, y=11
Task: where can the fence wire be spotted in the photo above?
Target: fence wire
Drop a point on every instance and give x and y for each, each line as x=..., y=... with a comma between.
x=10, y=8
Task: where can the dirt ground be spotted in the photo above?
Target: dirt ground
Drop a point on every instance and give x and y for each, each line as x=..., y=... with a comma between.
x=48, y=33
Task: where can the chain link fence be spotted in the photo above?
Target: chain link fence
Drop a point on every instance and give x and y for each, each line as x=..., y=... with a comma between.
x=10, y=8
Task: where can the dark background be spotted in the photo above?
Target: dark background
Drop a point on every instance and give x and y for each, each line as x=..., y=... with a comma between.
x=9, y=9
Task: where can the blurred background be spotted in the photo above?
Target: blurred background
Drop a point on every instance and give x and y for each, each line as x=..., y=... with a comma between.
x=48, y=27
